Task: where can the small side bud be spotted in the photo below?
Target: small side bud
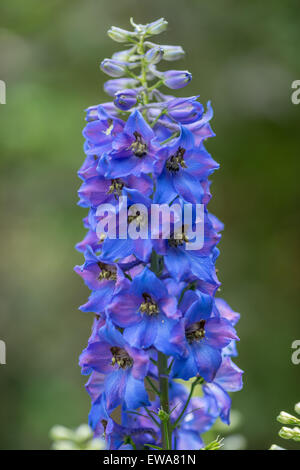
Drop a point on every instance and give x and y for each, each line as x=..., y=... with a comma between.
x=173, y=53
x=119, y=34
x=175, y=79
x=163, y=415
x=113, y=68
x=286, y=418
x=156, y=27
x=297, y=408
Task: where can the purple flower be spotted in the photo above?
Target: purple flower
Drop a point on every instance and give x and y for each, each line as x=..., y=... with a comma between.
x=228, y=379
x=123, y=367
x=133, y=151
x=102, y=277
x=150, y=253
x=201, y=128
x=100, y=133
x=147, y=312
x=134, y=220
x=177, y=78
x=99, y=190
x=182, y=167
x=203, y=339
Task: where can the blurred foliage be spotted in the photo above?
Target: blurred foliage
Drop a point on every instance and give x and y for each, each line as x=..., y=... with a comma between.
x=244, y=56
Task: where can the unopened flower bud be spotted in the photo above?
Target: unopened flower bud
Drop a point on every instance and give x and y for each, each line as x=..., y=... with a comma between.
x=173, y=52
x=175, y=79
x=297, y=408
x=83, y=433
x=163, y=415
x=113, y=86
x=113, y=68
x=119, y=34
x=286, y=418
x=123, y=56
x=61, y=433
x=275, y=447
x=125, y=99
x=154, y=55
x=65, y=445
x=157, y=26
x=286, y=433
x=217, y=444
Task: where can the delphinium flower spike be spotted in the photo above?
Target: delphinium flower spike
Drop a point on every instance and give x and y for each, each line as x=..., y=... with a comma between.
x=156, y=315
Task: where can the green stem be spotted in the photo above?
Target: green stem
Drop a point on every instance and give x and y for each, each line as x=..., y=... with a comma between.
x=166, y=430
x=156, y=85
x=196, y=382
x=151, y=416
x=176, y=134
x=155, y=390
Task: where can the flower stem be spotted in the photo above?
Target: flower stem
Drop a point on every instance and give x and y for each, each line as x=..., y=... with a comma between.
x=166, y=431
x=197, y=381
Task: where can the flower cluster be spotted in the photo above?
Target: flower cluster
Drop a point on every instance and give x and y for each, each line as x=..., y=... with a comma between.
x=157, y=319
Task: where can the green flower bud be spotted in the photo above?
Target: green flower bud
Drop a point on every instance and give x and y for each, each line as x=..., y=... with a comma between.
x=65, y=445
x=275, y=447
x=163, y=415
x=95, y=444
x=297, y=408
x=119, y=34
x=286, y=418
x=61, y=433
x=214, y=445
x=286, y=433
x=83, y=433
x=157, y=26
x=173, y=52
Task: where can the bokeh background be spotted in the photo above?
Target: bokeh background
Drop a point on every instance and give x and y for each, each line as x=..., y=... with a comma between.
x=244, y=56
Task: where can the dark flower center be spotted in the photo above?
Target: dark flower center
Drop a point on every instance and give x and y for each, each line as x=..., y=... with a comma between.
x=176, y=161
x=116, y=187
x=121, y=358
x=139, y=146
x=195, y=332
x=180, y=239
x=107, y=272
x=149, y=306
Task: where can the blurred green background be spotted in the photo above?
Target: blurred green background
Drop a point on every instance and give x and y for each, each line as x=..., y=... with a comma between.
x=244, y=56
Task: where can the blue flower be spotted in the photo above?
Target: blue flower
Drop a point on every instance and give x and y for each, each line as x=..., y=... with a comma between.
x=228, y=379
x=123, y=367
x=146, y=311
x=182, y=167
x=203, y=339
x=133, y=149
